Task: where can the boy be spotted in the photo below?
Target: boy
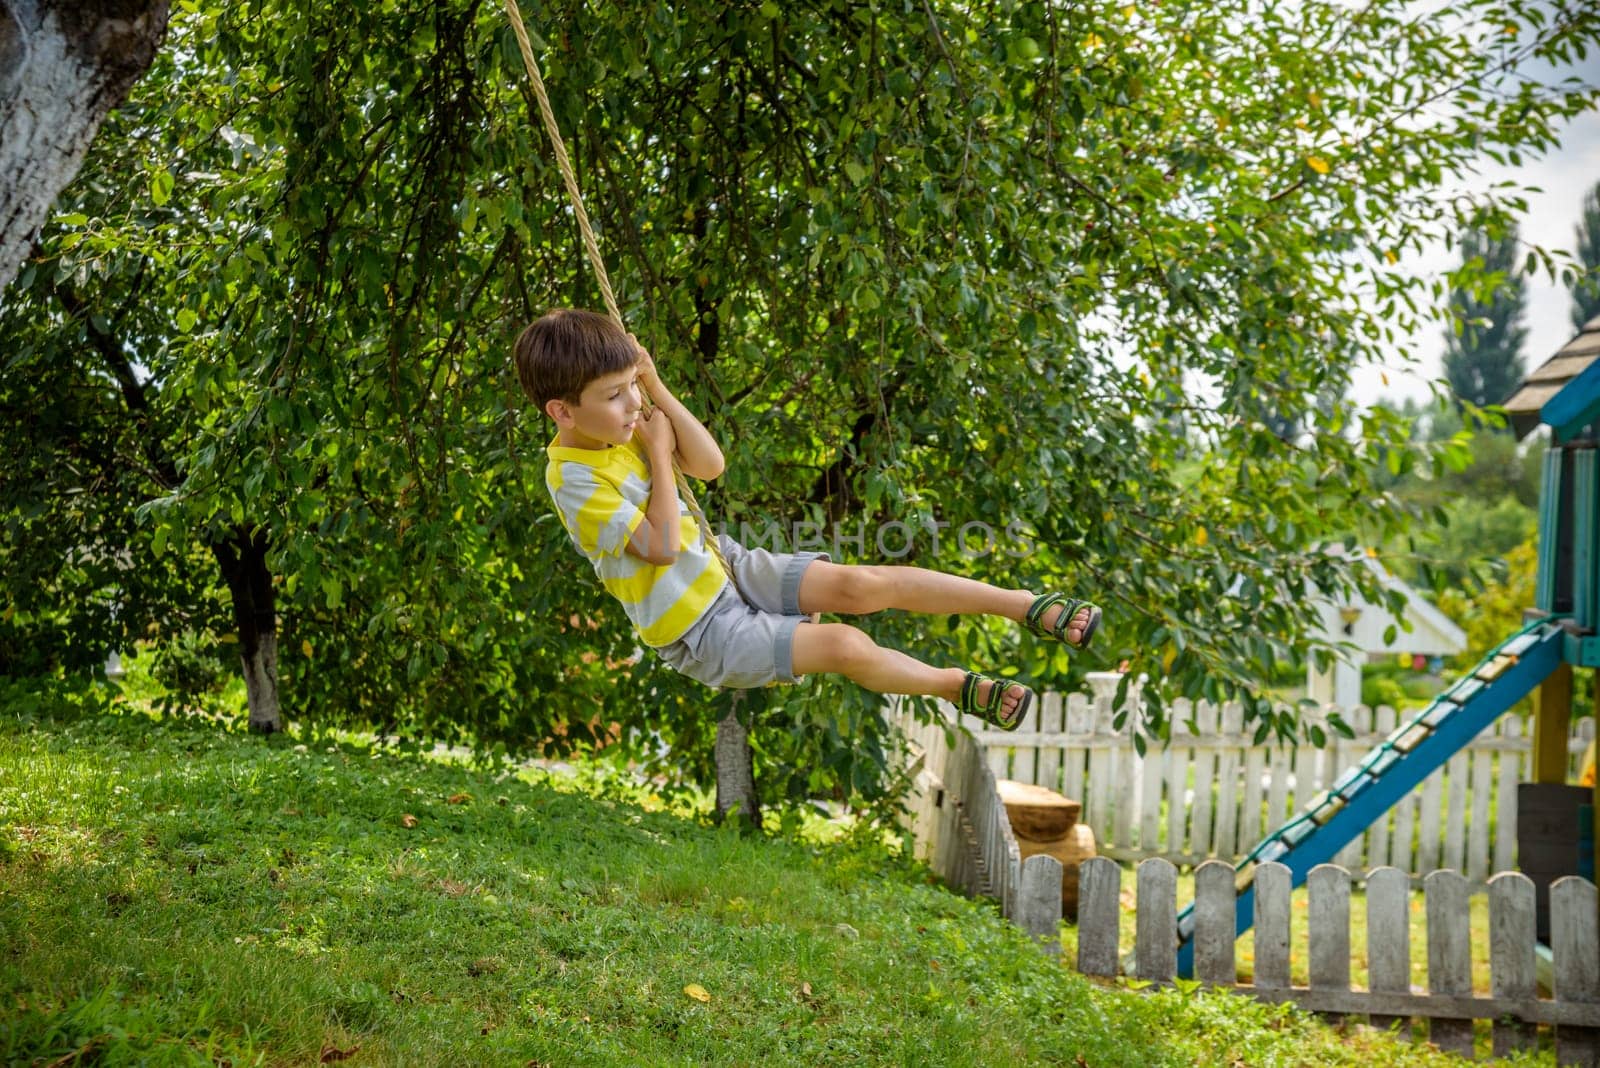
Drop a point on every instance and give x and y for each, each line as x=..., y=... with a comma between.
x=611, y=476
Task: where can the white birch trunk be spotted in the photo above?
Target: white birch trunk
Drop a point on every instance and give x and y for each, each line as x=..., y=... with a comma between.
x=736, y=784
x=63, y=67
x=261, y=684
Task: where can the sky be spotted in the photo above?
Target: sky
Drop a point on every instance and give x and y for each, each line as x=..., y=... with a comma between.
x=1563, y=176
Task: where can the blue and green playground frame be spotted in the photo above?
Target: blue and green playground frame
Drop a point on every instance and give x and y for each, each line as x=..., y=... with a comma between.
x=1560, y=636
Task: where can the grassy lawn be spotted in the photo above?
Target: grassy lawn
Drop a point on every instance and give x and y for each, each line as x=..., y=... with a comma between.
x=175, y=892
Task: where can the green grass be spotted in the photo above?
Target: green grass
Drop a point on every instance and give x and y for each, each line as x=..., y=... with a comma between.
x=176, y=893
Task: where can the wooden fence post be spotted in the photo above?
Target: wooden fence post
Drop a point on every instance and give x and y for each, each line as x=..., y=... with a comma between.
x=1328, y=924
x=1047, y=772
x=1215, y=924
x=1097, y=807
x=1156, y=944
x=1079, y=724
x=1152, y=777
x=1039, y=901
x=1099, y=913
x=1512, y=961
x=1278, y=789
x=1575, y=949
x=1449, y=955
x=1478, y=844
x=1273, y=883
x=1225, y=844
x=1178, y=760
x=1378, y=838
x=1204, y=766
x=1389, y=940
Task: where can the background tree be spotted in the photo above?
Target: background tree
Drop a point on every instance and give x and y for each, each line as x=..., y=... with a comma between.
x=1586, y=288
x=63, y=66
x=921, y=269
x=1471, y=511
x=1483, y=345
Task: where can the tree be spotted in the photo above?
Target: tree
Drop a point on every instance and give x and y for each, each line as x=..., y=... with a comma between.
x=926, y=271
x=63, y=67
x=1483, y=345
x=1586, y=287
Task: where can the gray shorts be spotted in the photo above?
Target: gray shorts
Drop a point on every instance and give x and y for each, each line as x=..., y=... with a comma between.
x=742, y=642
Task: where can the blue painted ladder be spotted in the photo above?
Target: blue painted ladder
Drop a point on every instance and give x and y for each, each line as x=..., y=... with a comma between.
x=1391, y=771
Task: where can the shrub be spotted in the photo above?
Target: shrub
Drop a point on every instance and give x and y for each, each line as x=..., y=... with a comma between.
x=189, y=667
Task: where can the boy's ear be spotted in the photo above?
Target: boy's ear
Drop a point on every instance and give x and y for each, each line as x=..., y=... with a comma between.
x=560, y=411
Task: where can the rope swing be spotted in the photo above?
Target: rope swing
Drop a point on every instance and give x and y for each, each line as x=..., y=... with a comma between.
x=591, y=249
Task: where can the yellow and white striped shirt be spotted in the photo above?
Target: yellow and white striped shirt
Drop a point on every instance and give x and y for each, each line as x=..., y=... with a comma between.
x=601, y=496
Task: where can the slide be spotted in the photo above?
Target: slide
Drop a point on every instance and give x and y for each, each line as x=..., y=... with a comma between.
x=1418, y=747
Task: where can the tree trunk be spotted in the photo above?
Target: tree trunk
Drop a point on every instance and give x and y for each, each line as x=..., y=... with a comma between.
x=64, y=64
x=243, y=559
x=736, y=781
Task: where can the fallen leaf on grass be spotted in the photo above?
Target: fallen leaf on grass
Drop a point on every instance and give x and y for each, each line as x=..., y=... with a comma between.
x=408, y=820
x=334, y=1053
x=458, y=799
x=698, y=992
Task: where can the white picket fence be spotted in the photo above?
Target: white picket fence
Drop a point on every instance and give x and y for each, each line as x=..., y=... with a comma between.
x=960, y=828
x=1213, y=793
x=1449, y=1004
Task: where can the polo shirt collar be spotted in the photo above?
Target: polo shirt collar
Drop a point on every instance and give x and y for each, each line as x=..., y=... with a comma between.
x=593, y=457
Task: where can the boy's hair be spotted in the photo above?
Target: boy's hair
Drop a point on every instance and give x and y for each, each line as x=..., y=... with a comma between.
x=564, y=350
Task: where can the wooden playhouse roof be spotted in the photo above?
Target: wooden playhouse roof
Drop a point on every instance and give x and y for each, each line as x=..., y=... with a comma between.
x=1571, y=360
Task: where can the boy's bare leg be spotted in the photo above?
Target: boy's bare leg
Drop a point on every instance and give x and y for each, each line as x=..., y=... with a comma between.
x=860, y=589
x=840, y=649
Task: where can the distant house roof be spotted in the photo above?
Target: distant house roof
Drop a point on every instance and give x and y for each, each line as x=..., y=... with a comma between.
x=1549, y=378
x=1432, y=632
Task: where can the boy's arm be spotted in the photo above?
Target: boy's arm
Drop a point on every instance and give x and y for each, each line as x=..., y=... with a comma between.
x=697, y=451
x=658, y=537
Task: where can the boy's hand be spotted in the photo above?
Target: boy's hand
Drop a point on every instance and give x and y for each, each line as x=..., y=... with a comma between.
x=654, y=429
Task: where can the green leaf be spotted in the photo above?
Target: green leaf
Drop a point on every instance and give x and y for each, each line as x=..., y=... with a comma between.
x=160, y=186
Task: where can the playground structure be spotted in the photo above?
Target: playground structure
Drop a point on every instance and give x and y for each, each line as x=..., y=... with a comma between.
x=1560, y=634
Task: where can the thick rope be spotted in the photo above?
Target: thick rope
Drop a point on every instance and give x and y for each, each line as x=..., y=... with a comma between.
x=590, y=245
x=592, y=248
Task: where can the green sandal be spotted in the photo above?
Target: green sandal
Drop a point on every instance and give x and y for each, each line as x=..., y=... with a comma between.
x=993, y=710
x=1042, y=605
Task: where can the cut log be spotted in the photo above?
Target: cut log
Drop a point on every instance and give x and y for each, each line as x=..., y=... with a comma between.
x=1044, y=821
x=1037, y=812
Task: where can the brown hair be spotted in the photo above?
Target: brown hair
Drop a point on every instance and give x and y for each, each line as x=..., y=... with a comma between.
x=564, y=350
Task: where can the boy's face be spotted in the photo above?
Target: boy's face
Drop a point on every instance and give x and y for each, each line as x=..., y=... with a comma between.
x=606, y=412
